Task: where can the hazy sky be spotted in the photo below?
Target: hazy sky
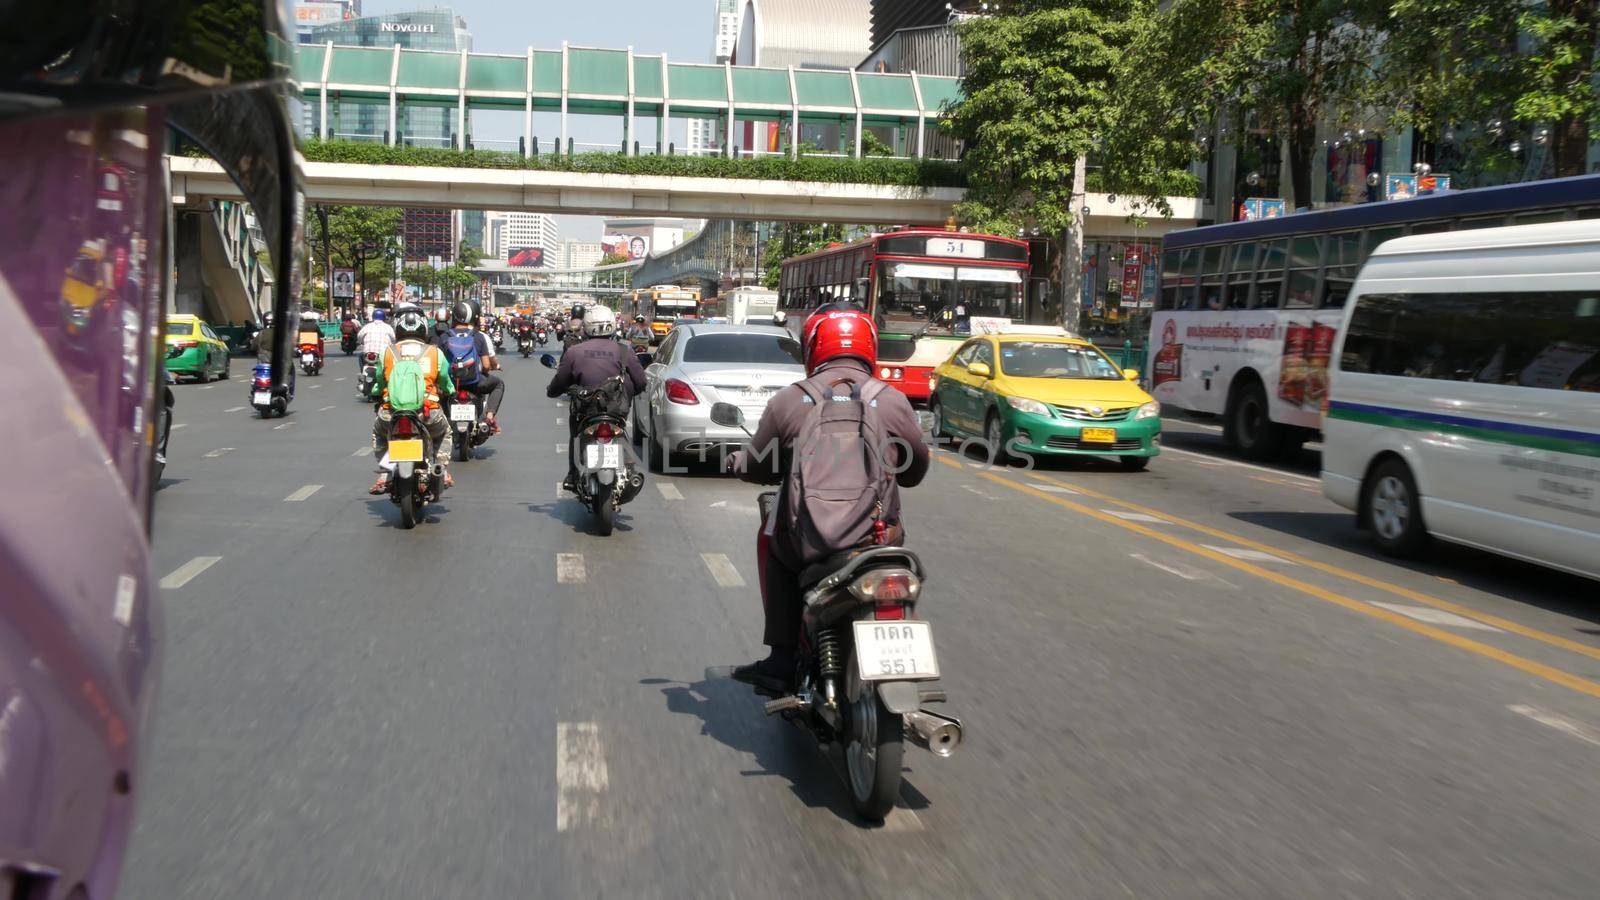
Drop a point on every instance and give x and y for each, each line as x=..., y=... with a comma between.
x=682, y=28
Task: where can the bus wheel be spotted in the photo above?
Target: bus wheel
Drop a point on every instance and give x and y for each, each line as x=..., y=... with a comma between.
x=1248, y=424
x=1393, y=509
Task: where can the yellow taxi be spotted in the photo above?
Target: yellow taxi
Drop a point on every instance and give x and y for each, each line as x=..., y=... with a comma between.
x=193, y=349
x=1044, y=392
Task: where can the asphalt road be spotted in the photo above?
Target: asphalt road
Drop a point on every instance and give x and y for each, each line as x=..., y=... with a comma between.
x=1195, y=681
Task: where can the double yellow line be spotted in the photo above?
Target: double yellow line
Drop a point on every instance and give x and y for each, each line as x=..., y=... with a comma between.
x=1523, y=664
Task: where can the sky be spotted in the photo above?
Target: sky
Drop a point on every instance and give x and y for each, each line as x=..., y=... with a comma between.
x=684, y=29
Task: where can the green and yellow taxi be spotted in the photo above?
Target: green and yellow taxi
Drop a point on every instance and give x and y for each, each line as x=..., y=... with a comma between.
x=1045, y=393
x=194, y=350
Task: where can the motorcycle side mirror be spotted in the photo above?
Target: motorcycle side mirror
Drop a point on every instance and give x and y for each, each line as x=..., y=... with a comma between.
x=548, y=361
x=727, y=415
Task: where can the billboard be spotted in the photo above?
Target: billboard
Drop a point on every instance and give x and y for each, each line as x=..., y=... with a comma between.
x=633, y=246
x=526, y=257
x=344, y=284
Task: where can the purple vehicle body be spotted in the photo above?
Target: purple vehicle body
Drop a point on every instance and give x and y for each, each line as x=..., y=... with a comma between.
x=79, y=328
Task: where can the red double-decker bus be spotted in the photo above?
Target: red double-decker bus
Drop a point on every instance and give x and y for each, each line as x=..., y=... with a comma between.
x=928, y=290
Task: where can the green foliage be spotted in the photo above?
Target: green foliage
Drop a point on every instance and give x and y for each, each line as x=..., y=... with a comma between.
x=455, y=280
x=795, y=239
x=1471, y=62
x=925, y=173
x=365, y=238
x=1038, y=93
x=467, y=256
x=611, y=259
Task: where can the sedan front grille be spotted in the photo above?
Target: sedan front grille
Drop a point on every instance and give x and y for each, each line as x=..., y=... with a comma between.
x=1083, y=413
x=1061, y=442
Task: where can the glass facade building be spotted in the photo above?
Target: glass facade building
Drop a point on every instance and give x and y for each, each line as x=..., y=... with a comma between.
x=368, y=120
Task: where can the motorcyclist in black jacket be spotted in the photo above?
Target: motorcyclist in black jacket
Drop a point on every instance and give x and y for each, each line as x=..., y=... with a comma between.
x=588, y=364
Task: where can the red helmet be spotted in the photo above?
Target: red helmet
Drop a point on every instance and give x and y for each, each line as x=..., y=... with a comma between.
x=832, y=333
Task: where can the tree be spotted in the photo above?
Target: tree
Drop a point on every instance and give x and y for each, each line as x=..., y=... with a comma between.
x=365, y=238
x=1475, y=62
x=455, y=280
x=613, y=258
x=467, y=256
x=795, y=239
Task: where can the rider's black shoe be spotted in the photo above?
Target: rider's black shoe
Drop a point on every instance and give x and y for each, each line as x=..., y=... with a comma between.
x=772, y=676
x=570, y=485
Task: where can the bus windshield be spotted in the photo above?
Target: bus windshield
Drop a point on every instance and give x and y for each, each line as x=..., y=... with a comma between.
x=1042, y=359
x=911, y=295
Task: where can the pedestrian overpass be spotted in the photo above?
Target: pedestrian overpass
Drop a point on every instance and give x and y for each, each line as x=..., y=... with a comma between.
x=510, y=284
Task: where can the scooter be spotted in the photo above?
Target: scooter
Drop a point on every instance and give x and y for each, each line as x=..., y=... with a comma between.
x=525, y=340
x=497, y=333
x=864, y=659
x=416, y=476
x=608, y=475
x=368, y=376
x=348, y=343
x=541, y=337
x=465, y=411
x=267, y=400
x=310, y=358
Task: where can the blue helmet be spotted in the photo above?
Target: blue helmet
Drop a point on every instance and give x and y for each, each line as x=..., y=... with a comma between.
x=377, y=315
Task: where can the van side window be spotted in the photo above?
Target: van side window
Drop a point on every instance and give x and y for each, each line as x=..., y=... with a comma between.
x=1541, y=339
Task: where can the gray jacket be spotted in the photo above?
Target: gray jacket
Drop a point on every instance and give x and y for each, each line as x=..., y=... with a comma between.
x=590, y=363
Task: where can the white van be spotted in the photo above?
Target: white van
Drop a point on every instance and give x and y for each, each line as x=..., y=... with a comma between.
x=1464, y=395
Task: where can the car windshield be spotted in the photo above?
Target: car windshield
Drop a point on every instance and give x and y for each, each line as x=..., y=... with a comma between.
x=180, y=329
x=1029, y=359
x=778, y=349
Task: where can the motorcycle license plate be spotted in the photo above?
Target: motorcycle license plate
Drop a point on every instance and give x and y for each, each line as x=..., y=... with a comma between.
x=1098, y=435
x=602, y=456
x=463, y=414
x=260, y=398
x=898, y=651
x=307, y=358
x=405, y=451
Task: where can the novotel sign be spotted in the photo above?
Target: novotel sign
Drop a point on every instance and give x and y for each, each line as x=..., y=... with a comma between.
x=406, y=27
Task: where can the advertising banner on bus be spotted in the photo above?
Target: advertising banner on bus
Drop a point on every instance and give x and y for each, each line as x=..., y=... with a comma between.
x=1197, y=355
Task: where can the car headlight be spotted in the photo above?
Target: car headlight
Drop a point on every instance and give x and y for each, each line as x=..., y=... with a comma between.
x=1150, y=410
x=1023, y=404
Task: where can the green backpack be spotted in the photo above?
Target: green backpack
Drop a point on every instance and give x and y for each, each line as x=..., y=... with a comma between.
x=408, y=386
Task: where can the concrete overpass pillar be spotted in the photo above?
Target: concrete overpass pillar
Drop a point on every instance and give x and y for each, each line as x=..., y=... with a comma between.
x=188, y=293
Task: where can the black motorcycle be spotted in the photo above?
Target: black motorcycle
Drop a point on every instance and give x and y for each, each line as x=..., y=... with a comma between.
x=863, y=659
x=465, y=412
x=525, y=340
x=416, y=476
x=348, y=343
x=608, y=473
x=368, y=376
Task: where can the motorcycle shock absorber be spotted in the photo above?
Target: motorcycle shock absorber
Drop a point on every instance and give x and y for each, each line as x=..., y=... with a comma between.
x=829, y=654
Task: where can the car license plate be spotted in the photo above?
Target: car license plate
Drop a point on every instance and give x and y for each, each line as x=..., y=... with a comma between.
x=755, y=393
x=602, y=456
x=463, y=413
x=895, y=650
x=405, y=451
x=1098, y=436
x=260, y=398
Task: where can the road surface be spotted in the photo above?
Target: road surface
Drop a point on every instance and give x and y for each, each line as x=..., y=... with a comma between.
x=1195, y=681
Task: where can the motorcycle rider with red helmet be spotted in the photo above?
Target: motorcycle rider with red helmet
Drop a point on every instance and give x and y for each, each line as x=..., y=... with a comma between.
x=840, y=347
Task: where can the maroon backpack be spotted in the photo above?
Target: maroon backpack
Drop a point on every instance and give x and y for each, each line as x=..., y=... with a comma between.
x=839, y=478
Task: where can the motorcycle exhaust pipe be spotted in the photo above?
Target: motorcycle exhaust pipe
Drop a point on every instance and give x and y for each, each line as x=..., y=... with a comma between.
x=937, y=734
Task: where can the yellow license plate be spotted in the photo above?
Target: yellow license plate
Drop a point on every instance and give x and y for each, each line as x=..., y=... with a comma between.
x=1098, y=436
x=405, y=451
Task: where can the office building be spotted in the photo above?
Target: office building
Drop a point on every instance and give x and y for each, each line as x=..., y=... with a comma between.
x=426, y=233
x=525, y=239
x=890, y=16
x=312, y=14
x=705, y=135
x=577, y=254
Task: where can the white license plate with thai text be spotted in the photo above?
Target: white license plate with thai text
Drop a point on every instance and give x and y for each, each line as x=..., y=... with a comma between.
x=260, y=398
x=462, y=413
x=307, y=357
x=898, y=651
x=602, y=456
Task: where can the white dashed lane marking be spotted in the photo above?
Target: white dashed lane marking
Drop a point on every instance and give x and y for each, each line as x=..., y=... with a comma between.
x=1181, y=571
x=569, y=568
x=185, y=573
x=581, y=775
x=218, y=452
x=302, y=493
x=326, y=408
x=1051, y=488
x=722, y=571
x=283, y=426
x=233, y=409
x=178, y=425
x=1134, y=516
x=561, y=448
x=208, y=387
x=1560, y=723
x=1435, y=616
x=669, y=491
x=364, y=451
x=338, y=379
x=1247, y=554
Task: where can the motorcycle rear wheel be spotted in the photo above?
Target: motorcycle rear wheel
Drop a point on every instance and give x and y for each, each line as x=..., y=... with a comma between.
x=605, y=509
x=873, y=751
x=408, y=505
x=463, y=447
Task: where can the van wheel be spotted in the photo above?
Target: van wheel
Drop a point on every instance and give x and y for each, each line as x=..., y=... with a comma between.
x=1248, y=425
x=1393, y=510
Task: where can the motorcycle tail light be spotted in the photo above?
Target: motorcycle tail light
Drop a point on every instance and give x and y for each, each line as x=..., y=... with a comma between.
x=887, y=585
x=263, y=382
x=681, y=392
x=889, y=612
x=403, y=426
x=462, y=396
x=604, y=432
x=372, y=357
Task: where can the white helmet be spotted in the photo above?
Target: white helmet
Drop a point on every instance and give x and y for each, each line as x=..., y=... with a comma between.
x=599, y=321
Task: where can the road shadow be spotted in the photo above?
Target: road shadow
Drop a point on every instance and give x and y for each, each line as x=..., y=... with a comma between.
x=166, y=482
x=570, y=512
x=388, y=514
x=1481, y=570
x=730, y=713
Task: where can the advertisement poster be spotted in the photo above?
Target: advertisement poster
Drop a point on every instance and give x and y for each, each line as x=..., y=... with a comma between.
x=344, y=284
x=526, y=257
x=1262, y=208
x=1152, y=278
x=633, y=246
x=1091, y=274
x=1168, y=362
x=1400, y=187
x=1132, y=274
x=1303, y=369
